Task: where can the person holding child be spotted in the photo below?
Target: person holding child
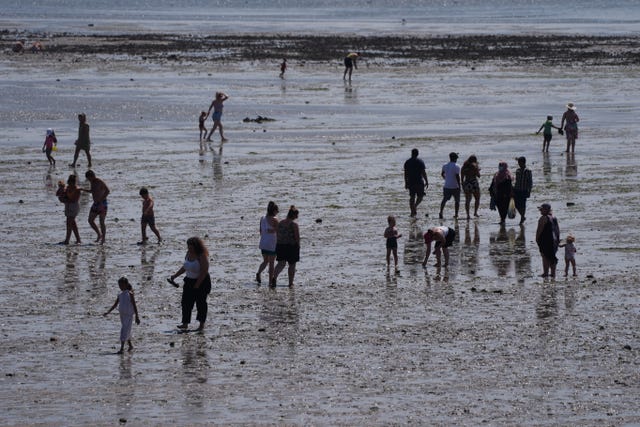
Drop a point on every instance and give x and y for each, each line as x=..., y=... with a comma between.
x=70, y=196
x=127, y=307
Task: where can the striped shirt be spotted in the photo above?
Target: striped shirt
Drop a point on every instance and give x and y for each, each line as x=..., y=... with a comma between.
x=524, y=180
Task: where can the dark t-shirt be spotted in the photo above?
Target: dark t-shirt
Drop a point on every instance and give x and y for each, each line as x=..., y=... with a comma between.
x=414, y=167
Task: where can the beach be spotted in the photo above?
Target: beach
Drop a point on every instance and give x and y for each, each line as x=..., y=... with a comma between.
x=485, y=341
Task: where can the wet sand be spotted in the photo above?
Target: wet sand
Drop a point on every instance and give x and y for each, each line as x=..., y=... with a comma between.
x=485, y=341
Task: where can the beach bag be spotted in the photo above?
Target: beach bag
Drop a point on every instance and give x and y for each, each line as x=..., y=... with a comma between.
x=511, y=212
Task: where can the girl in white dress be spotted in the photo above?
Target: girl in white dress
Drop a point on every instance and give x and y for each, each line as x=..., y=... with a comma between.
x=126, y=304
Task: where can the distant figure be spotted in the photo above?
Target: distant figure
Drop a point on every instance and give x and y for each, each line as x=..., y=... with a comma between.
x=569, y=254
x=127, y=307
x=522, y=187
x=288, y=246
x=18, y=47
x=451, y=175
x=197, y=282
x=547, y=134
x=268, y=240
x=84, y=141
x=283, y=67
x=217, y=107
x=99, y=191
x=392, y=235
x=148, y=217
x=501, y=190
x=548, y=239
x=443, y=236
x=415, y=180
x=570, y=122
x=50, y=141
x=203, y=130
x=36, y=47
x=470, y=172
x=350, y=64
x=70, y=196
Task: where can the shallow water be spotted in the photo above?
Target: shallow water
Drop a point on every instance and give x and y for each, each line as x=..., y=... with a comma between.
x=485, y=340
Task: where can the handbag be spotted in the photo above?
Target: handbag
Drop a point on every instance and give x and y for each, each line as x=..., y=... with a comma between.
x=511, y=212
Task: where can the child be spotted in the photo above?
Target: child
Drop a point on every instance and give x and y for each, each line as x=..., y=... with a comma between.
x=148, y=217
x=126, y=304
x=391, y=234
x=283, y=67
x=50, y=141
x=569, y=255
x=203, y=129
x=217, y=106
x=547, y=126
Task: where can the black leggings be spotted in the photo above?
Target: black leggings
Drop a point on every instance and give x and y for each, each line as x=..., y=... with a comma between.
x=190, y=295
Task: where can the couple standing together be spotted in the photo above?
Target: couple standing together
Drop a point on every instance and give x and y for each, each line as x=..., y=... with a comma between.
x=279, y=241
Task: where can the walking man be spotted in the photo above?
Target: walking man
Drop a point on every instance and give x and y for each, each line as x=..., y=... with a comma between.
x=452, y=183
x=415, y=180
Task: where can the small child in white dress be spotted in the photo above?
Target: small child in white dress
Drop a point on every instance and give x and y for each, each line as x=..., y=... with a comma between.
x=569, y=254
x=126, y=304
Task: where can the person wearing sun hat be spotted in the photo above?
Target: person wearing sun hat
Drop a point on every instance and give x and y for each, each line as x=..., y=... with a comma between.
x=569, y=122
x=548, y=239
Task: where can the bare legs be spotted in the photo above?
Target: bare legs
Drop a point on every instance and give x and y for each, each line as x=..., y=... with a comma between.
x=103, y=227
x=267, y=260
x=75, y=156
x=414, y=201
x=72, y=227
x=279, y=267
x=467, y=203
x=217, y=124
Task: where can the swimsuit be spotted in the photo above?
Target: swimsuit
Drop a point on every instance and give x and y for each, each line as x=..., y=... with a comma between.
x=100, y=207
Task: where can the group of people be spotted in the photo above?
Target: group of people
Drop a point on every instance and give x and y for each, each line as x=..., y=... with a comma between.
x=82, y=143
x=509, y=193
x=279, y=241
x=568, y=127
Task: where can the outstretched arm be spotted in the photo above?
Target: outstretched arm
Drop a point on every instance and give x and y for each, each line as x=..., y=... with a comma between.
x=115, y=304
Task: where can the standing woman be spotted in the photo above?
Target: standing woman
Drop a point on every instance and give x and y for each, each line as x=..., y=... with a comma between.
x=570, y=123
x=470, y=173
x=500, y=190
x=268, y=240
x=548, y=239
x=71, y=208
x=197, y=282
x=84, y=141
x=288, y=246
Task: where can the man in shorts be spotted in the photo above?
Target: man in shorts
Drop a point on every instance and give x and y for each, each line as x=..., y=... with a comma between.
x=451, y=176
x=415, y=180
x=99, y=191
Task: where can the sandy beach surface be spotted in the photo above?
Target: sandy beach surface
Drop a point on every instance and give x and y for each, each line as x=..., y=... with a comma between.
x=484, y=342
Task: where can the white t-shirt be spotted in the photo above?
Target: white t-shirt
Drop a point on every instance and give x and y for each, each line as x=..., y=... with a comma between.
x=450, y=171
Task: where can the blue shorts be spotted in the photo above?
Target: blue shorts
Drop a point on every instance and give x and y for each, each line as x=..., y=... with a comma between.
x=216, y=116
